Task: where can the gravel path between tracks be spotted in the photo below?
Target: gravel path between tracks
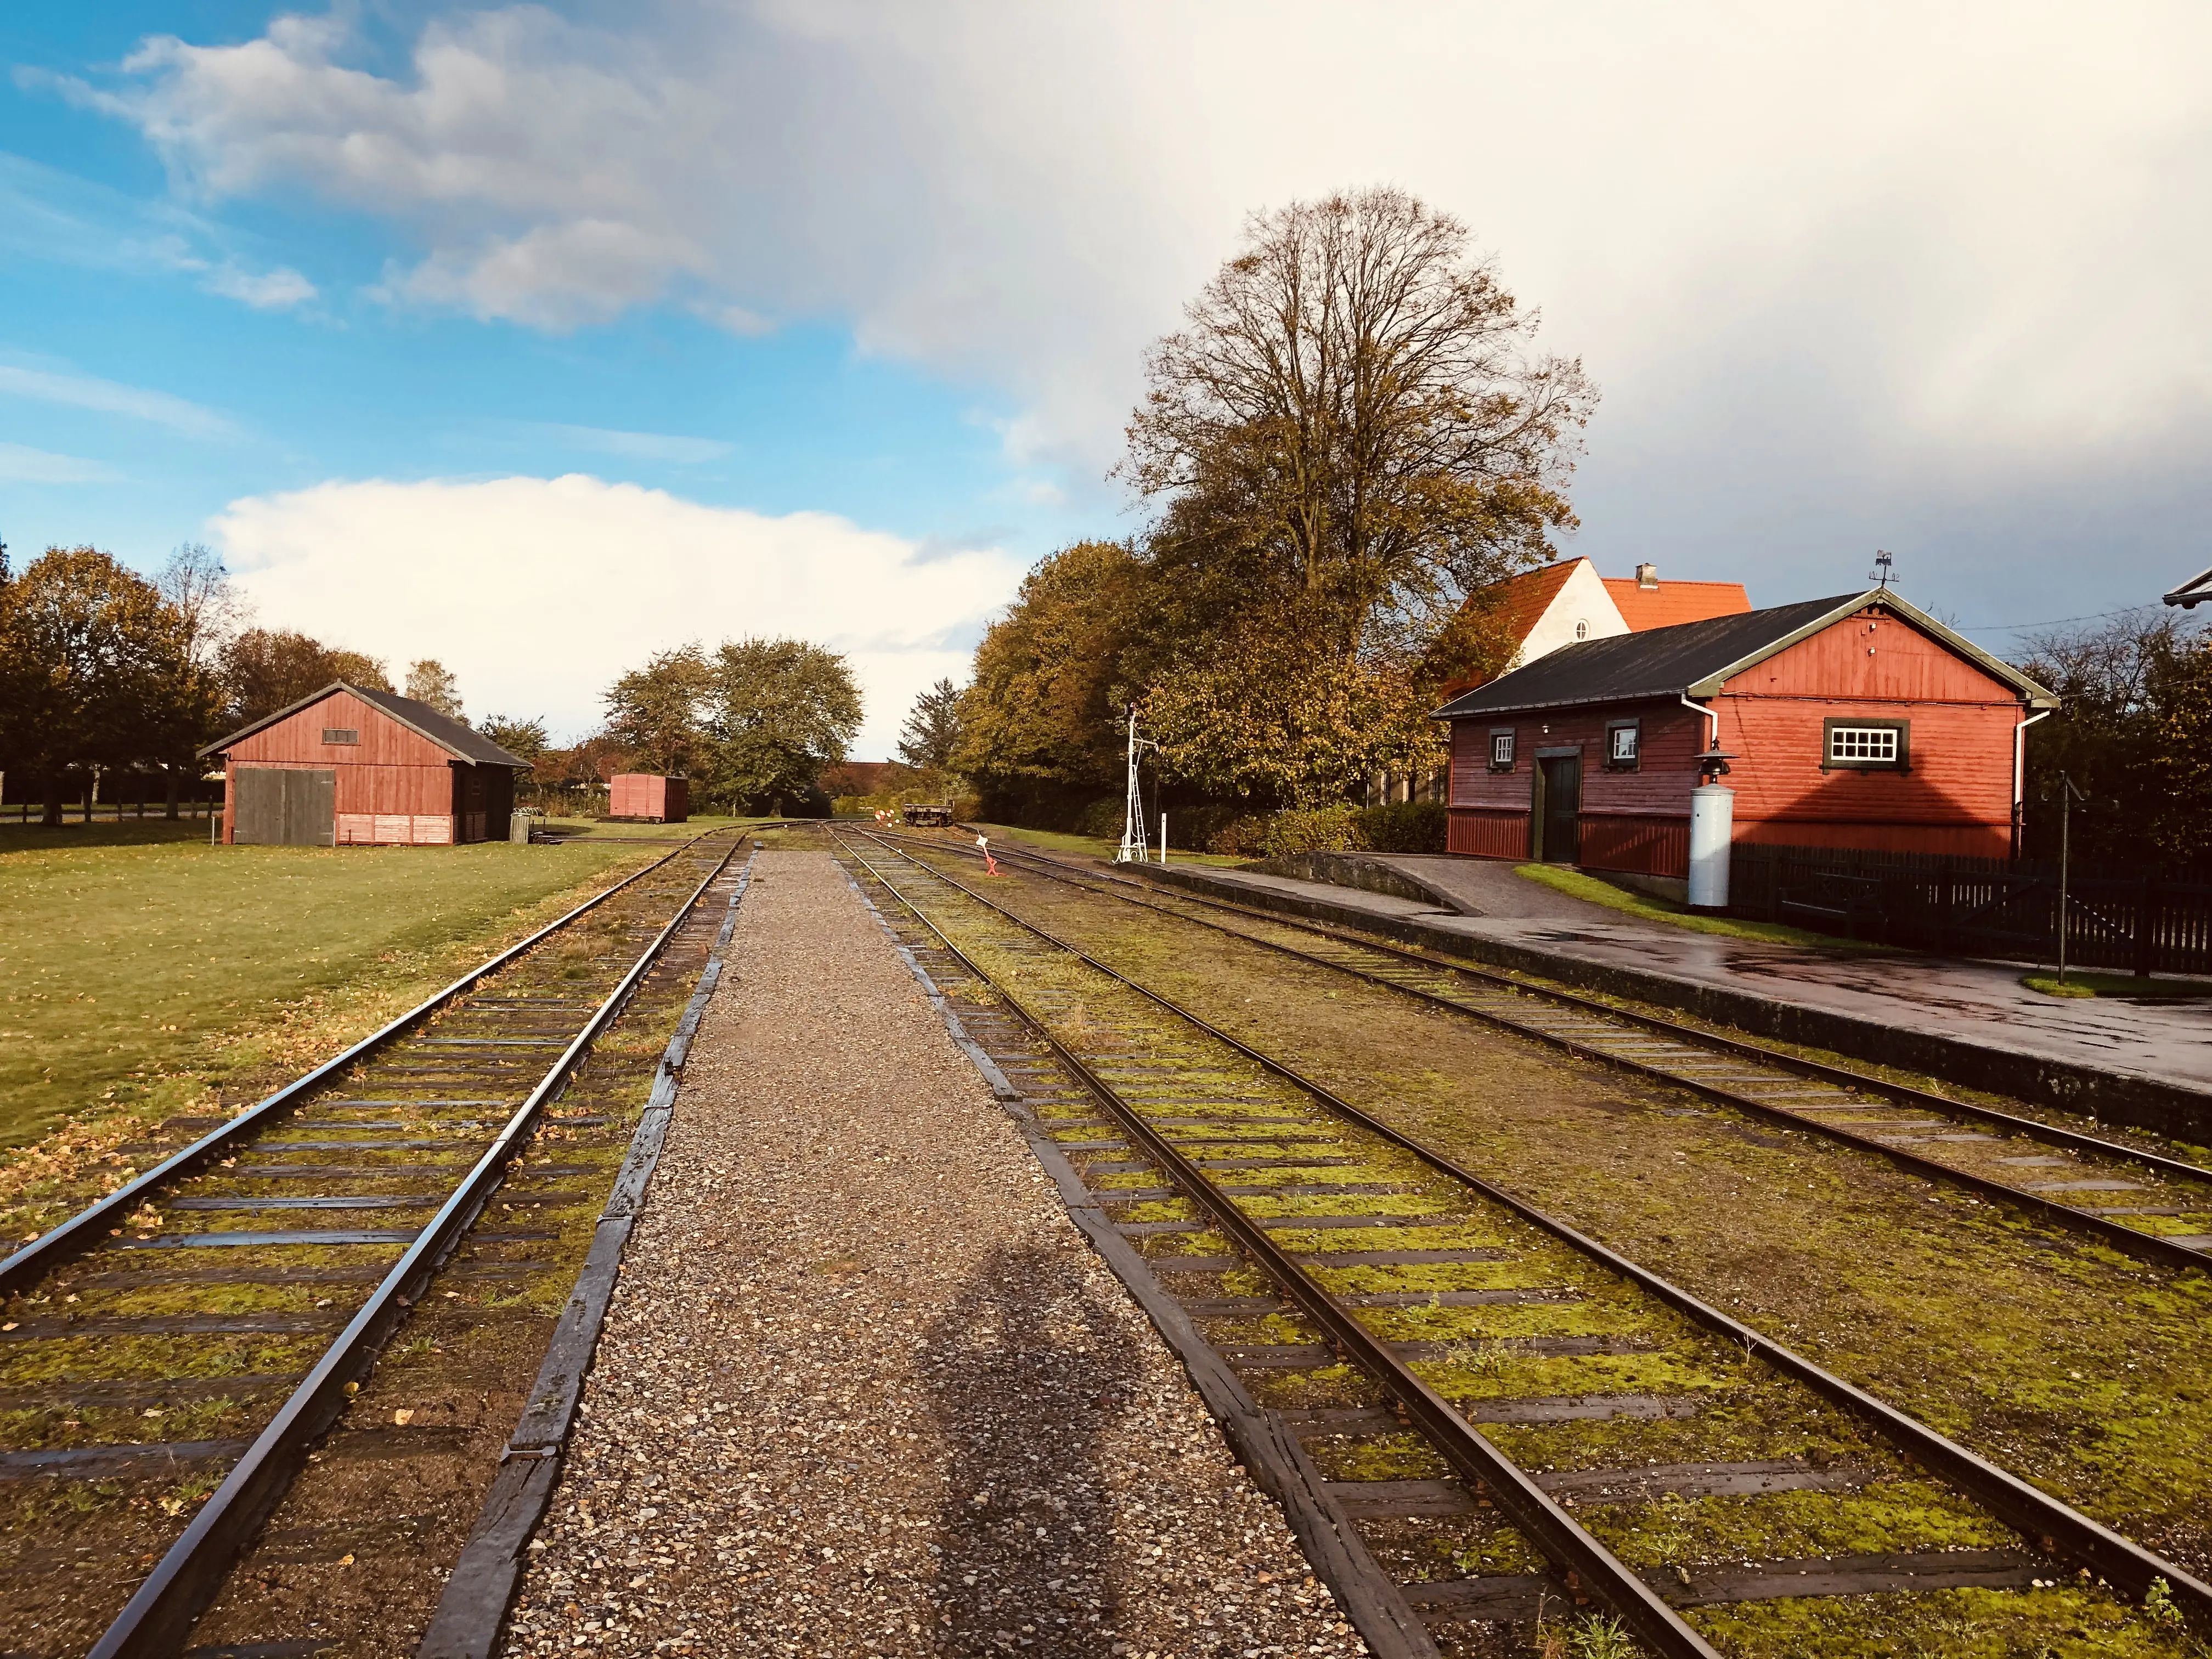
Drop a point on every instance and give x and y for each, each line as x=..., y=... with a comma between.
x=864, y=1388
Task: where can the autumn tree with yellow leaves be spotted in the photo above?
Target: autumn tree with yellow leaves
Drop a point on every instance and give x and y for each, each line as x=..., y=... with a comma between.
x=1351, y=433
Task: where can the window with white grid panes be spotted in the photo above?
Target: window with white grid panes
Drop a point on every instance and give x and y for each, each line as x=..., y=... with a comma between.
x=1865, y=746
x=1501, y=749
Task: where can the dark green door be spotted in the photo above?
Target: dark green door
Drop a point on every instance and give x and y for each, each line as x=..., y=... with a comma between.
x=286, y=806
x=1561, y=819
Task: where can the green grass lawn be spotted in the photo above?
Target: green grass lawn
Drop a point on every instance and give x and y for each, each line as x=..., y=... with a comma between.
x=1096, y=846
x=2079, y=984
x=140, y=967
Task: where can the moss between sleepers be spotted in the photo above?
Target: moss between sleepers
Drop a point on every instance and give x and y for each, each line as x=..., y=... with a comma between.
x=1900, y=1513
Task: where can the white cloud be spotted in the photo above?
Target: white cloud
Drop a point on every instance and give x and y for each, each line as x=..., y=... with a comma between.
x=1884, y=257
x=112, y=398
x=20, y=464
x=537, y=592
x=640, y=446
x=270, y=291
x=47, y=214
x=1983, y=218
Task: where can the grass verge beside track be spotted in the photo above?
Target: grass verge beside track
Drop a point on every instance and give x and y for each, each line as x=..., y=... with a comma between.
x=601, y=830
x=143, y=978
x=1098, y=847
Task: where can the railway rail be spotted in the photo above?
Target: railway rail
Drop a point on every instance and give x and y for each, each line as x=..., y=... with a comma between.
x=306, y=1228
x=2122, y=1195
x=1385, y=1301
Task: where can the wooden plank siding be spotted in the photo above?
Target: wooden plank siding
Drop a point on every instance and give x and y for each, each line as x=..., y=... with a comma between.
x=394, y=785
x=1955, y=798
x=1636, y=821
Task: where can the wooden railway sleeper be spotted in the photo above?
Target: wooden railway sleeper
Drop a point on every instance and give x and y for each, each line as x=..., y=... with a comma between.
x=2064, y=1531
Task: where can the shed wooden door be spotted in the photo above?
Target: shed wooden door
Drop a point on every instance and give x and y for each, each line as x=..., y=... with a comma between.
x=286, y=805
x=1559, y=808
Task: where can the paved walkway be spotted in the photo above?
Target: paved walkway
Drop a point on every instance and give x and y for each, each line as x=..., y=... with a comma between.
x=864, y=1388
x=1982, y=1002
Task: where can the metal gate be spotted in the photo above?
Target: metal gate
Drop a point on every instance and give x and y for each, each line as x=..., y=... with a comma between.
x=285, y=805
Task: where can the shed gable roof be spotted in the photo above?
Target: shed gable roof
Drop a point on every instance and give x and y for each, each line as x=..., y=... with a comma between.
x=460, y=741
x=1698, y=659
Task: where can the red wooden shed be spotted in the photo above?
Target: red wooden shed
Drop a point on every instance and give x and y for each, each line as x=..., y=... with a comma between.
x=647, y=798
x=352, y=767
x=1858, y=721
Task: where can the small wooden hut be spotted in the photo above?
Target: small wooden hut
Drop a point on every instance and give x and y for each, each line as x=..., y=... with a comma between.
x=645, y=798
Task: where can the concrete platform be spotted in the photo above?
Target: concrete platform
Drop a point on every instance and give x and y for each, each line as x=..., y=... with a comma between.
x=2146, y=1063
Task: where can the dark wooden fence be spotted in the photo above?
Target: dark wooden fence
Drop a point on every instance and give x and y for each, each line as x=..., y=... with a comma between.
x=2132, y=920
x=109, y=811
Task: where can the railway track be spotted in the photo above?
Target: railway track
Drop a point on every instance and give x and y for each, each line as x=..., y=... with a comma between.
x=2151, y=1204
x=234, y=1297
x=1512, y=1421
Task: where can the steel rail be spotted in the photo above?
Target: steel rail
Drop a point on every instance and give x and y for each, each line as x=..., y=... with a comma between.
x=1586, y=1562
x=2146, y=1247
x=154, y=1622
x=1843, y=1077
x=89, y=1226
x=2059, y=1528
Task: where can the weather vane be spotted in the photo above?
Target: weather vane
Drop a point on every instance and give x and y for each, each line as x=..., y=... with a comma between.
x=1882, y=571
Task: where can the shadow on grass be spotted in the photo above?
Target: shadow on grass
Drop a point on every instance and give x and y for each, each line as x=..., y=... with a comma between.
x=131, y=832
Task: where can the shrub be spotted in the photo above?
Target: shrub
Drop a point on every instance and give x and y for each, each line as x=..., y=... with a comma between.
x=1240, y=838
x=1408, y=826
x=1314, y=830
x=1105, y=818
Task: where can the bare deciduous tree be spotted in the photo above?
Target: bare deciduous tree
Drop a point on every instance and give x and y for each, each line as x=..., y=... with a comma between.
x=1354, y=419
x=430, y=681
x=197, y=586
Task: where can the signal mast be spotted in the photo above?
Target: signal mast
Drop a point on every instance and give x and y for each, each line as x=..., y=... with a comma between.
x=1134, y=846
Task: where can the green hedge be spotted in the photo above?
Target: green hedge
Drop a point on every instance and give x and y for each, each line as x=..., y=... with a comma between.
x=1412, y=826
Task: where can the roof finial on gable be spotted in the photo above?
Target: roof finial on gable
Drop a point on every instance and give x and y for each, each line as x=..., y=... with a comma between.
x=1881, y=573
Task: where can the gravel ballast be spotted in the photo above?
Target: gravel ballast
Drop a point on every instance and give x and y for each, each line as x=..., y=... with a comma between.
x=864, y=1388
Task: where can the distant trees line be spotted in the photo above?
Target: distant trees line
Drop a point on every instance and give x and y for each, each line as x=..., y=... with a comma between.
x=106, y=673
x=2134, y=735
x=753, y=723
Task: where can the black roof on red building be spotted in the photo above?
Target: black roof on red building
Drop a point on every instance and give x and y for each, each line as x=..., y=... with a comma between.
x=1697, y=659
x=456, y=738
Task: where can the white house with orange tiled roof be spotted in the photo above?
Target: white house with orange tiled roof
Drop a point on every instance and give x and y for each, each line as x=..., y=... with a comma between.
x=1568, y=602
x=1565, y=602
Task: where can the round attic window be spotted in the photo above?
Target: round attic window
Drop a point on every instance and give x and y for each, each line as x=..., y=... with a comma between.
x=1582, y=631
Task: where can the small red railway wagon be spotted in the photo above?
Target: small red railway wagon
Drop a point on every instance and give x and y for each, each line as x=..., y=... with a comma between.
x=1858, y=721
x=349, y=767
x=645, y=798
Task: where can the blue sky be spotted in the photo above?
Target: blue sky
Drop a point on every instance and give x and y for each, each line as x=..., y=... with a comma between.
x=831, y=313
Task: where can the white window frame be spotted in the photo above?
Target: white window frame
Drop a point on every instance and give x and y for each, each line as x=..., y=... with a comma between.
x=1502, y=744
x=1866, y=745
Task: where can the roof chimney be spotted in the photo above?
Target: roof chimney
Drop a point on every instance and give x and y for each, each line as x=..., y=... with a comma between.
x=1647, y=575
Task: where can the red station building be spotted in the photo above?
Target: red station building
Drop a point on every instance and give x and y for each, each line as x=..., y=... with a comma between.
x=349, y=767
x=1858, y=721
